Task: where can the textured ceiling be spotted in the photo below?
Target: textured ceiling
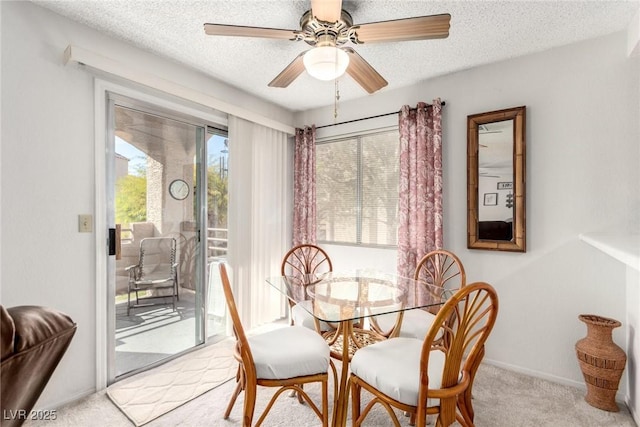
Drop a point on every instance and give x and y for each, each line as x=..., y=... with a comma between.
x=481, y=32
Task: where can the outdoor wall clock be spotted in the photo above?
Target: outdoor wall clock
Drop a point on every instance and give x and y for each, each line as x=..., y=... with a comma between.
x=179, y=189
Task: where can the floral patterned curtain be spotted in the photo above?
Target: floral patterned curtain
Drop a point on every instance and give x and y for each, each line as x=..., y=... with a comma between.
x=304, y=186
x=420, y=197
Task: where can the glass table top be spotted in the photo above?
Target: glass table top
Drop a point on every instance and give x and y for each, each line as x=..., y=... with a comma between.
x=340, y=296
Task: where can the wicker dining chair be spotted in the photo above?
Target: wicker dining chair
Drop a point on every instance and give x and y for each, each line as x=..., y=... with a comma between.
x=440, y=268
x=430, y=376
x=287, y=358
x=299, y=264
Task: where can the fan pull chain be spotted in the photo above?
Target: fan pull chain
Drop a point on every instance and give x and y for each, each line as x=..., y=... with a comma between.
x=336, y=99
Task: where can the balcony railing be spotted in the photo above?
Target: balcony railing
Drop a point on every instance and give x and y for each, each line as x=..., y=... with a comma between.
x=217, y=240
x=126, y=235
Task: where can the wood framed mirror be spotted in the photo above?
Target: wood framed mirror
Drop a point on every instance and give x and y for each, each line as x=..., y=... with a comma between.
x=496, y=164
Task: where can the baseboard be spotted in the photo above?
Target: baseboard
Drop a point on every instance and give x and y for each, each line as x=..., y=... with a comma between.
x=620, y=398
x=632, y=411
x=61, y=403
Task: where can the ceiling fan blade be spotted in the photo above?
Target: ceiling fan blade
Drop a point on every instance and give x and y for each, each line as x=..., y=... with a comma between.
x=363, y=73
x=326, y=10
x=240, y=31
x=290, y=73
x=418, y=28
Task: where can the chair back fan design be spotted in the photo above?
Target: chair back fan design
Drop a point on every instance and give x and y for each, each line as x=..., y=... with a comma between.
x=443, y=269
x=326, y=24
x=439, y=268
x=302, y=265
x=466, y=321
x=303, y=262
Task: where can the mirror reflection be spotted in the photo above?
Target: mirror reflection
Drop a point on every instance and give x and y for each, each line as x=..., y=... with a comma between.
x=495, y=180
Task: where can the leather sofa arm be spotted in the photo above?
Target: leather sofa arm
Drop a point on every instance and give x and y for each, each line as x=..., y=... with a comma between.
x=41, y=336
x=34, y=325
x=8, y=334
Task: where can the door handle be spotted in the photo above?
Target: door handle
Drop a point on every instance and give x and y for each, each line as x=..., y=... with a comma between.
x=118, y=241
x=112, y=241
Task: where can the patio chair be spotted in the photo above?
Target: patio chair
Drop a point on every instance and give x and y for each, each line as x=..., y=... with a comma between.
x=156, y=271
x=431, y=376
x=287, y=358
x=440, y=268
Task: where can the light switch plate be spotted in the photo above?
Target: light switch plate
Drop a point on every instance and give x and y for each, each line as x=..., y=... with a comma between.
x=85, y=223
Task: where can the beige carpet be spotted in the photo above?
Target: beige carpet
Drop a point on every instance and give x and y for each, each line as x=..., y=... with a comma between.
x=502, y=399
x=147, y=396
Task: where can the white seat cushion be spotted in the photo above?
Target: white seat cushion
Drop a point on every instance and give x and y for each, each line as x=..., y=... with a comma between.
x=289, y=352
x=300, y=313
x=393, y=367
x=415, y=323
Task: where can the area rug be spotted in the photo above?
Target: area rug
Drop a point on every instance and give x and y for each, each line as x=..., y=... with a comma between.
x=146, y=396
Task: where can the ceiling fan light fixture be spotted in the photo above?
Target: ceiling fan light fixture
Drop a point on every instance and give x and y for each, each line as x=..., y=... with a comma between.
x=326, y=62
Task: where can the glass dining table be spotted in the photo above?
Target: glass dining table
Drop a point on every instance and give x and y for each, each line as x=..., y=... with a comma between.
x=360, y=307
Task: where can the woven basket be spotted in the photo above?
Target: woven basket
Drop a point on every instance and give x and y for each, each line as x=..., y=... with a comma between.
x=601, y=361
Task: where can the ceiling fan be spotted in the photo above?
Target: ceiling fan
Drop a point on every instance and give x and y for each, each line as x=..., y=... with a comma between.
x=484, y=129
x=327, y=27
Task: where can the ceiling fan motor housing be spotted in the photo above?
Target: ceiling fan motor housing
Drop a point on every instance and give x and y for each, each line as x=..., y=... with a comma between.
x=321, y=33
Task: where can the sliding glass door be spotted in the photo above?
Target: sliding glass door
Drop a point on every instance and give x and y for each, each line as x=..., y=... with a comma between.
x=160, y=184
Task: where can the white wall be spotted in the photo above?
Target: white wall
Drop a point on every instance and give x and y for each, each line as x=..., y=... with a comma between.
x=582, y=175
x=47, y=172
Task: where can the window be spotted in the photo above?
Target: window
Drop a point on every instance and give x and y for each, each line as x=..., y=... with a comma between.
x=357, y=189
